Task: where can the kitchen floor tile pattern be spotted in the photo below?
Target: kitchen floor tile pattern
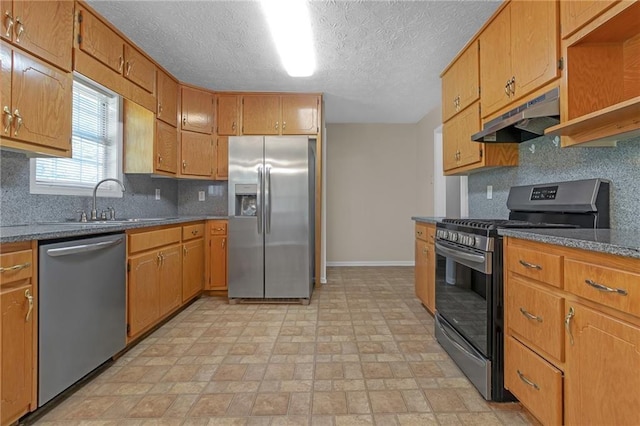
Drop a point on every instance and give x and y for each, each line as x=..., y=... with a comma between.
x=362, y=353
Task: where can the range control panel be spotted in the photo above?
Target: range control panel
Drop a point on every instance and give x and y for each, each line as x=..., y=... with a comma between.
x=544, y=193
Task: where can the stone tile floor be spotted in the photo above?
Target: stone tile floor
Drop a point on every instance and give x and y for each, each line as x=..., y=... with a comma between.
x=363, y=352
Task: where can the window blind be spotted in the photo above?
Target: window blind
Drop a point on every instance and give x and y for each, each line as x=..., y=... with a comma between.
x=93, y=144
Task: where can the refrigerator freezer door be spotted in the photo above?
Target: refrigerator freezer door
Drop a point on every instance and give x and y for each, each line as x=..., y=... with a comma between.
x=246, y=244
x=286, y=227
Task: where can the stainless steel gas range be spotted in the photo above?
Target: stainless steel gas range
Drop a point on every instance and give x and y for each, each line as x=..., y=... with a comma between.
x=469, y=275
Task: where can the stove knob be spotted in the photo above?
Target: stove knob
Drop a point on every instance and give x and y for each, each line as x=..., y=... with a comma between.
x=454, y=236
x=466, y=241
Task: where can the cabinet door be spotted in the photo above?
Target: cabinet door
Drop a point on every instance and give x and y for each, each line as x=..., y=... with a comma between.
x=170, y=278
x=192, y=268
x=143, y=291
x=227, y=113
x=166, y=147
x=45, y=30
x=468, y=124
x=431, y=269
x=7, y=19
x=495, y=62
x=261, y=115
x=218, y=262
x=139, y=69
x=17, y=352
x=167, y=94
x=602, y=380
x=197, y=110
x=468, y=76
x=222, y=158
x=300, y=114
x=42, y=96
x=101, y=42
x=196, y=154
x=449, y=93
x=534, y=45
x=574, y=14
x=450, y=144
x=6, y=64
x=421, y=271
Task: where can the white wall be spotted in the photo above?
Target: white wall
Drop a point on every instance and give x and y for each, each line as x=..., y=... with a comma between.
x=378, y=176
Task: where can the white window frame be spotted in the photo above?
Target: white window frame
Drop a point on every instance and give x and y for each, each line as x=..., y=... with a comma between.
x=108, y=189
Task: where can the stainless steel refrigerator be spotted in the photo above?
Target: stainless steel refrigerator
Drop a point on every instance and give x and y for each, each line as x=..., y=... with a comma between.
x=271, y=207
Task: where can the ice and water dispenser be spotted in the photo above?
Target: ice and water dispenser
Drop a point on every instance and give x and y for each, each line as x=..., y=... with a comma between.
x=246, y=199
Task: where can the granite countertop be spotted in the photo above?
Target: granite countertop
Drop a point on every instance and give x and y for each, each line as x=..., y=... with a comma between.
x=427, y=219
x=47, y=231
x=621, y=242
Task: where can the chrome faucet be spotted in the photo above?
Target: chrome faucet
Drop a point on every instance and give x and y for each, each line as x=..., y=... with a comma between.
x=94, y=212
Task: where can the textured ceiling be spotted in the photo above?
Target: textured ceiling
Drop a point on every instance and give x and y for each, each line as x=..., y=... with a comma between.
x=377, y=61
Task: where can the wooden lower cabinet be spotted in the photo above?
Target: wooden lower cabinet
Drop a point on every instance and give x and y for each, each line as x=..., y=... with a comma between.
x=603, y=369
x=425, y=265
x=193, y=260
x=170, y=279
x=18, y=328
x=144, y=292
x=217, y=255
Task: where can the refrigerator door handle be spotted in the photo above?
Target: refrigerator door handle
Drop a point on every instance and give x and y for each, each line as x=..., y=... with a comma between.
x=267, y=200
x=259, y=198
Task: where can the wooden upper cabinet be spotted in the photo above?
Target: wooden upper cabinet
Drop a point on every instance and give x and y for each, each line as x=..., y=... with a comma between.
x=166, y=148
x=197, y=110
x=575, y=14
x=167, y=94
x=300, y=114
x=458, y=148
x=139, y=69
x=228, y=115
x=196, y=155
x=261, y=115
x=222, y=158
x=38, y=98
x=461, y=82
x=495, y=63
x=603, y=361
x=43, y=28
x=519, y=52
x=100, y=41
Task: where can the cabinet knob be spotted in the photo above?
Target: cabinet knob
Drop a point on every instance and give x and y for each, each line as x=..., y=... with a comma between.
x=18, y=124
x=276, y=125
x=284, y=125
x=233, y=126
x=20, y=29
x=184, y=121
x=8, y=23
x=159, y=158
x=8, y=119
x=184, y=165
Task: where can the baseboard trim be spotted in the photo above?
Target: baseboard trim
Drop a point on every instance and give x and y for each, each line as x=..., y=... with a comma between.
x=374, y=263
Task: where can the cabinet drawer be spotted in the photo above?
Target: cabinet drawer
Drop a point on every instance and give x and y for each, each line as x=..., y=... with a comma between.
x=536, y=383
x=192, y=231
x=16, y=266
x=616, y=288
x=421, y=231
x=151, y=239
x=218, y=227
x=536, y=316
x=538, y=265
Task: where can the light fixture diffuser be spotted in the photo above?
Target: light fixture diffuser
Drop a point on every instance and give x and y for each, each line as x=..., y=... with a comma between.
x=290, y=27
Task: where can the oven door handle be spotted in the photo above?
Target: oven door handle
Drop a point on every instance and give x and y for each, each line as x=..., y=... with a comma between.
x=475, y=258
x=442, y=328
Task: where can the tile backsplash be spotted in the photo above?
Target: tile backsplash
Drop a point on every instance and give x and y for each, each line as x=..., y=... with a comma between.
x=178, y=197
x=541, y=162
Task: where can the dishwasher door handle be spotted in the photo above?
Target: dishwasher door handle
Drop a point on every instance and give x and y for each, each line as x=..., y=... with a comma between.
x=83, y=248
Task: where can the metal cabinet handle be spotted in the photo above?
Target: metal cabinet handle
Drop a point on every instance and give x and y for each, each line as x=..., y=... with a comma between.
x=184, y=165
x=527, y=381
x=184, y=120
x=159, y=158
x=425, y=251
x=159, y=108
x=120, y=64
x=194, y=232
x=128, y=69
x=512, y=85
x=233, y=126
x=19, y=29
x=507, y=89
x=224, y=241
x=276, y=125
x=8, y=22
x=15, y=267
x=8, y=120
x=185, y=250
x=529, y=315
x=567, y=324
x=18, y=124
x=603, y=287
x=29, y=296
x=530, y=265
x=158, y=259
x=284, y=125
x=419, y=232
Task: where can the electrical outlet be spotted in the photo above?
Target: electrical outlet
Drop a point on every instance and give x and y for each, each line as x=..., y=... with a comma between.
x=200, y=195
x=157, y=193
x=489, y=192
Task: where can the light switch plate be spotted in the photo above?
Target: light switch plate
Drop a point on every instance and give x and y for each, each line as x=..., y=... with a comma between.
x=200, y=195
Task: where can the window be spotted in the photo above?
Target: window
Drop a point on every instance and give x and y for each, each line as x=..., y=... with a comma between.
x=96, y=147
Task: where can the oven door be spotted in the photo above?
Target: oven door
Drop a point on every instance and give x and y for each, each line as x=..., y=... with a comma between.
x=463, y=292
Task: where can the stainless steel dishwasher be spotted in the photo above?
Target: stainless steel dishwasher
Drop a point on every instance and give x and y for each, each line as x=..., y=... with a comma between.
x=82, y=309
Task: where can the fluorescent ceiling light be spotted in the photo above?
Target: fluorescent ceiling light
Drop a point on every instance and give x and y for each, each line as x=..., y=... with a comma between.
x=290, y=27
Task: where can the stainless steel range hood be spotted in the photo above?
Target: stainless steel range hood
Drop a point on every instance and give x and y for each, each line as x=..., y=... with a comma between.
x=528, y=121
